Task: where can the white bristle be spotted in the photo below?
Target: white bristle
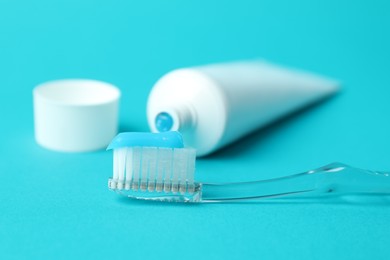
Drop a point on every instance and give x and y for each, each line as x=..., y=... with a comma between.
x=191, y=165
x=147, y=156
x=129, y=168
x=115, y=165
x=154, y=169
x=160, y=170
x=121, y=167
x=191, y=169
x=165, y=163
x=184, y=170
x=137, y=156
x=179, y=165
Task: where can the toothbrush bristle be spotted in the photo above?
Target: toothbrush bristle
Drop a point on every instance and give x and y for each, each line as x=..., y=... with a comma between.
x=154, y=169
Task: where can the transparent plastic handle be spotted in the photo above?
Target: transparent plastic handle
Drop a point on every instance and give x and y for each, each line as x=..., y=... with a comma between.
x=333, y=179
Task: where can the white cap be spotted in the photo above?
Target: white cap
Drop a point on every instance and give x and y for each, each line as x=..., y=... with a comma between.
x=75, y=115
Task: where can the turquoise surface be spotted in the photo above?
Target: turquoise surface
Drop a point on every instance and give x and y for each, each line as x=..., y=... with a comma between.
x=57, y=205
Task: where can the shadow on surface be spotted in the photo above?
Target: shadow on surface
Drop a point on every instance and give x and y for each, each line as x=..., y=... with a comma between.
x=346, y=200
x=131, y=201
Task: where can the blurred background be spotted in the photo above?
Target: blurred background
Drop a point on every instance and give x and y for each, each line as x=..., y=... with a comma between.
x=54, y=202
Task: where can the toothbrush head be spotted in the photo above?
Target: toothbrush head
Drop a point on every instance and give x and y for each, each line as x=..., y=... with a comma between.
x=154, y=166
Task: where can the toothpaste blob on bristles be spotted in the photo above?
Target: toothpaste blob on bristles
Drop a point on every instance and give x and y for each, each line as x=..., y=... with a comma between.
x=154, y=162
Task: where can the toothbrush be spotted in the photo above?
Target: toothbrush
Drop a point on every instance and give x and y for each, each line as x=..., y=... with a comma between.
x=157, y=167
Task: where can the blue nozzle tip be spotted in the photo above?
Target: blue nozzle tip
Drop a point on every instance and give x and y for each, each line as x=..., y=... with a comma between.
x=164, y=122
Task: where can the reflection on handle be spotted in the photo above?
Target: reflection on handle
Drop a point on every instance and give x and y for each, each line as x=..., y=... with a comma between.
x=333, y=179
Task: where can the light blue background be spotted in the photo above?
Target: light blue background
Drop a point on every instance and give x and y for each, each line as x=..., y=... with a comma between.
x=57, y=206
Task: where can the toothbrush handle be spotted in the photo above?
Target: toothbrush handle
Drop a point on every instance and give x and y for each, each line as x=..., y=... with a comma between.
x=333, y=179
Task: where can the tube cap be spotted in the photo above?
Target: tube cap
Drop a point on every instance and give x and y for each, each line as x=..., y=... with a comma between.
x=75, y=115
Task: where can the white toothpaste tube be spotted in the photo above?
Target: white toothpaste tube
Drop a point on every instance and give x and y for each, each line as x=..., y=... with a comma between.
x=216, y=104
